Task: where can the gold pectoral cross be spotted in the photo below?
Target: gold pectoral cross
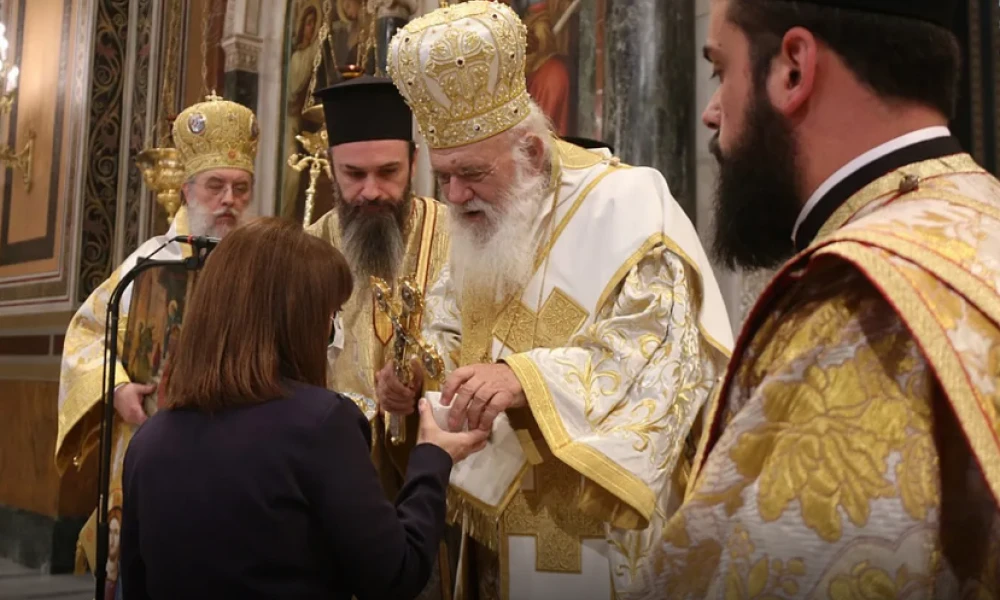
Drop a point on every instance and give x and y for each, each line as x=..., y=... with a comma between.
x=404, y=312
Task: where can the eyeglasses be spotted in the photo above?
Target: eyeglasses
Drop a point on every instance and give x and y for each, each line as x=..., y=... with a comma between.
x=467, y=176
x=216, y=188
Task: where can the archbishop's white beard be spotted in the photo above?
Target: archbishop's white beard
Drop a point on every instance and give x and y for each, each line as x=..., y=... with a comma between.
x=201, y=221
x=501, y=258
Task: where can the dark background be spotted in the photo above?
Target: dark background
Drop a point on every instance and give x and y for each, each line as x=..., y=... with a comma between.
x=977, y=25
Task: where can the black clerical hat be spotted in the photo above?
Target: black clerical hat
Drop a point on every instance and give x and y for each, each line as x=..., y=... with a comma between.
x=587, y=143
x=939, y=12
x=365, y=108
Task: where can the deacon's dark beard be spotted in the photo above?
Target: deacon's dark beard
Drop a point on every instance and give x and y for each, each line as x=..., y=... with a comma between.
x=757, y=199
x=373, y=243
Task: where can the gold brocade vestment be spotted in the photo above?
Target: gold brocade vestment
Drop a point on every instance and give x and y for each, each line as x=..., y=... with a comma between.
x=615, y=348
x=367, y=332
x=853, y=449
x=80, y=391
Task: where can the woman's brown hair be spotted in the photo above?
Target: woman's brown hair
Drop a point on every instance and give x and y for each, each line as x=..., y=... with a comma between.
x=259, y=315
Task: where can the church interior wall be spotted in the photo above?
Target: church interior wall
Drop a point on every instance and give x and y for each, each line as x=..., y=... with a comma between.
x=36, y=225
x=205, y=21
x=978, y=112
x=96, y=84
x=38, y=269
x=269, y=105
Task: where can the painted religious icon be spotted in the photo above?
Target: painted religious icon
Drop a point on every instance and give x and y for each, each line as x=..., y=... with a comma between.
x=114, y=551
x=549, y=68
x=355, y=26
x=154, y=325
x=152, y=330
x=345, y=31
x=301, y=45
x=552, y=58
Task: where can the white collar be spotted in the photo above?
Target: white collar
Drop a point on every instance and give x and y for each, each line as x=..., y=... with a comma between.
x=914, y=137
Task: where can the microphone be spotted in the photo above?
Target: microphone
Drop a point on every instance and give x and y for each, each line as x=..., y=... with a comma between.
x=198, y=241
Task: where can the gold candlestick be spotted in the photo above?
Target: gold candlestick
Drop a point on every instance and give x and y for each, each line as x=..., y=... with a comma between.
x=314, y=157
x=163, y=173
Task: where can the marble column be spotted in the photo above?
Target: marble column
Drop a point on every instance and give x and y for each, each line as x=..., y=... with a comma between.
x=241, y=78
x=977, y=116
x=386, y=27
x=423, y=179
x=649, y=89
x=242, y=45
x=588, y=100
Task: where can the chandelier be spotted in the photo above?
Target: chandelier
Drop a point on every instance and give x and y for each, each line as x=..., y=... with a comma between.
x=9, y=73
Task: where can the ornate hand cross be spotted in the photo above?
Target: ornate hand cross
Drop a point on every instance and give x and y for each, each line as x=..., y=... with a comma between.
x=404, y=313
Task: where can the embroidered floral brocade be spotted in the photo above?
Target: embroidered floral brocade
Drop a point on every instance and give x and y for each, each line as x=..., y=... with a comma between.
x=825, y=481
x=605, y=377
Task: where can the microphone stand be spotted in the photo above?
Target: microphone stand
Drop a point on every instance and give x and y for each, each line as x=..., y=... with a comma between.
x=192, y=263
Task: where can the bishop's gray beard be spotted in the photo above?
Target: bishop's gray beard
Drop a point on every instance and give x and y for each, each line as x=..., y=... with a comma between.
x=373, y=243
x=201, y=221
x=499, y=255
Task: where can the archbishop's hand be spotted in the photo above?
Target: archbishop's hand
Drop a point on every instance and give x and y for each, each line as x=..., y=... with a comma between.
x=128, y=402
x=394, y=397
x=457, y=445
x=480, y=393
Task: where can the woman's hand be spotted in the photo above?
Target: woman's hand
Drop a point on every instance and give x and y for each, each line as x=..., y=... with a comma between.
x=457, y=445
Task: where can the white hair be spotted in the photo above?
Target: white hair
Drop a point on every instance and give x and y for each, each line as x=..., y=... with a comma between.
x=535, y=126
x=498, y=261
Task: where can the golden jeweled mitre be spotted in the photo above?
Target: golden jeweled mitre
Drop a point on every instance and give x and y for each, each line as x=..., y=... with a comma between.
x=216, y=134
x=461, y=70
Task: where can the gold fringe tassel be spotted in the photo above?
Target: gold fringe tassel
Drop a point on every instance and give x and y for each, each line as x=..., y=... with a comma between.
x=482, y=526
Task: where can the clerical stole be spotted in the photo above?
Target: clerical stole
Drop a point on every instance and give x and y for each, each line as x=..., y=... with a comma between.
x=853, y=449
x=80, y=384
x=617, y=345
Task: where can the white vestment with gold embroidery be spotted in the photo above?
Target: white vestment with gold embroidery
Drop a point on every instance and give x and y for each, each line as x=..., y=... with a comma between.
x=617, y=340
x=80, y=382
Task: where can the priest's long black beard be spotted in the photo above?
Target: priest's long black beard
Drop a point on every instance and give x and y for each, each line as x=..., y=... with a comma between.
x=757, y=198
x=373, y=244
